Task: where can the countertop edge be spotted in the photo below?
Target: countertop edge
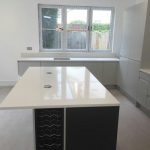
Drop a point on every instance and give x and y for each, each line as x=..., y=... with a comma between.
x=71, y=60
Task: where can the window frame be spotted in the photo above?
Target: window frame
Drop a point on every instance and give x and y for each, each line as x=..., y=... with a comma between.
x=64, y=32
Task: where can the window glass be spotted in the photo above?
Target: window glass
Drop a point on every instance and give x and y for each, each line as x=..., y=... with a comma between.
x=67, y=28
x=101, y=30
x=51, y=28
x=76, y=29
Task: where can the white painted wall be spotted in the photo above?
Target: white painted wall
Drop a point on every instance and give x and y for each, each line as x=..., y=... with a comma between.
x=19, y=29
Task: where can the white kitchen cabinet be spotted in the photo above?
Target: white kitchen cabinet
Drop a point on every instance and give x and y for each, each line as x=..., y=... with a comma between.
x=60, y=63
x=128, y=76
x=122, y=73
x=95, y=68
x=24, y=65
x=148, y=97
x=132, y=77
x=104, y=71
x=109, y=73
x=142, y=91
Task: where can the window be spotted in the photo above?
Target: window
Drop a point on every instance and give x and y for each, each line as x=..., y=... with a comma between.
x=77, y=29
x=65, y=28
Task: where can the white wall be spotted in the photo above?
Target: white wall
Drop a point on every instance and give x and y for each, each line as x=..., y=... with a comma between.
x=19, y=29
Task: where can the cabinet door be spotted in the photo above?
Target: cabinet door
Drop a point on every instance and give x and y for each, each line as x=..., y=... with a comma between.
x=109, y=73
x=91, y=128
x=24, y=65
x=61, y=63
x=96, y=68
x=148, y=97
x=142, y=91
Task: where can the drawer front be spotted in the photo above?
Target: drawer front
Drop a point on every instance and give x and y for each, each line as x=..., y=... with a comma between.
x=23, y=66
x=148, y=97
x=144, y=76
x=142, y=91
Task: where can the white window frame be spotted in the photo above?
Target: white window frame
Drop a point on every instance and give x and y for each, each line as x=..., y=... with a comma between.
x=64, y=33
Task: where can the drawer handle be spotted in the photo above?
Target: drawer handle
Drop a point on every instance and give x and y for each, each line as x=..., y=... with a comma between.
x=49, y=72
x=47, y=86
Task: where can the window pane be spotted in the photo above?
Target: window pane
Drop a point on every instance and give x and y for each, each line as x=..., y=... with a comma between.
x=77, y=19
x=101, y=23
x=76, y=40
x=51, y=18
x=76, y=29
x=51, y=39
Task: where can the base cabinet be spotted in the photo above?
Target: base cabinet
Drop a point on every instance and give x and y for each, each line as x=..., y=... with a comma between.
x=77, y=128
x=143, y=92
x=105, y=72
x=49, y=129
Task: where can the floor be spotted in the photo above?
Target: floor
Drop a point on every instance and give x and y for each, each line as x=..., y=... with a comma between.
x=16, y=126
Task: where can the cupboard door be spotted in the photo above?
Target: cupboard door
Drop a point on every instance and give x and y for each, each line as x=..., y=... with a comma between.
x=148, y=97
x=96, y=68
x=91, y=128
x=142, y=91
x=110, y=73
x=24, y=65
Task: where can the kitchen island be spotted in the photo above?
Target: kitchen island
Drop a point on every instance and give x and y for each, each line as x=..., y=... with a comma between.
x=72, y=109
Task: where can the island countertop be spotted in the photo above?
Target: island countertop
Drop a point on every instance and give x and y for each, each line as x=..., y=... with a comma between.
x=58, y=87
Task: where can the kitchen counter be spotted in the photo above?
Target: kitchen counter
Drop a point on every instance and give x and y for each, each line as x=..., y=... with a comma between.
x=70, y=59
x=145, y=74
x=147, y=71
x=70, y=87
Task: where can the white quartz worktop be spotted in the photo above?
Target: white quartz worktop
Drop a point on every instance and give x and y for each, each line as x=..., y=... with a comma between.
x=71, y=87
x=70, y=59
x=147, y=71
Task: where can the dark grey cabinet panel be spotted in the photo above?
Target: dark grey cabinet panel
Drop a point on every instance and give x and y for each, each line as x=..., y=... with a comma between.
x=91, y=128
x=49, y=128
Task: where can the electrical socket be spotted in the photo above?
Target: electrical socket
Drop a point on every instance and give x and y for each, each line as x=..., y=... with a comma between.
x=29, y=48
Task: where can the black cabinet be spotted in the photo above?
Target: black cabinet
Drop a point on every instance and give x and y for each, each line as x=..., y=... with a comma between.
x=85, y=128
x=91, y=128
x=49, y=129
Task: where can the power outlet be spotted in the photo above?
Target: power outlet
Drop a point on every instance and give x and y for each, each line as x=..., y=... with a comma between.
x=29, y=48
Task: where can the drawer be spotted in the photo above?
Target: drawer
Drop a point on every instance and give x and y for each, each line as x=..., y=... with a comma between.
x=148, y=98
x=144, y=76
x=142, y=91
